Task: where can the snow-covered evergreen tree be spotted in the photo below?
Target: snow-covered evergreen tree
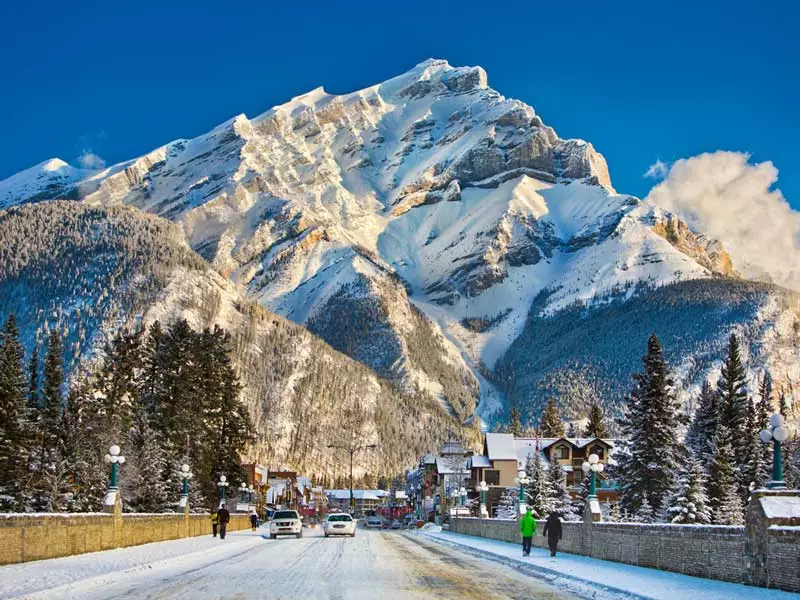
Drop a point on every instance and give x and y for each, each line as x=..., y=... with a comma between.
x=15, y=432
x=703, y=427
x=644, y=513
x=649, y=461
x=690, y=504
x=514, y=425
x=150, y=482
x=734, y=402
x=536, y=492
x=507, y=506
x=615, y=514
x=723, y=493
x=558, y=495
x=596, y=427
x=551, y=424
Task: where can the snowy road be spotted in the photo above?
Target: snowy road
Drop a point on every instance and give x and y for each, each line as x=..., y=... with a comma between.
x=372, y=565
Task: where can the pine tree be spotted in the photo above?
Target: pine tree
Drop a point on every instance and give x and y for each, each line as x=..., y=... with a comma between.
x=507, y=506
x=691, y=503
x=84, y=443
x=649, y=460
x=15, y=439
x=723, y=494
x=116, y=381
x=557, y=493
x=596, y=427
x=149, y=470
x=551, y=424
x=34, y=399
x=645, y=512
x=52, y=468
x=615, y=514
x=783, y=406
x=703, y=427
x=734, y=401
x=536, y=491
x=514, y=423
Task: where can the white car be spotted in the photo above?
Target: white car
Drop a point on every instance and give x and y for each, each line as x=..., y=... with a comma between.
x=286, y=522
x=339, y=524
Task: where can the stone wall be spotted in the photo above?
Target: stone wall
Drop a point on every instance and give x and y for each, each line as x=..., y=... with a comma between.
x=714, y=552
x=26, y=537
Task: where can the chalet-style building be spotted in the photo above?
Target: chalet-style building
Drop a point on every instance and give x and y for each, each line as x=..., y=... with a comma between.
x=504, y=456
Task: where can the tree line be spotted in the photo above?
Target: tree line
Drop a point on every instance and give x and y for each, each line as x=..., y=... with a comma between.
x=707, y=474
x=166, y=396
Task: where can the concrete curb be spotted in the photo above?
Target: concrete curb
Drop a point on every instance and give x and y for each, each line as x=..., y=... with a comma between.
x=551, y=575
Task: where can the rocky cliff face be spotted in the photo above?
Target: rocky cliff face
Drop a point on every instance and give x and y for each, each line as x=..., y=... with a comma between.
x=388, y=218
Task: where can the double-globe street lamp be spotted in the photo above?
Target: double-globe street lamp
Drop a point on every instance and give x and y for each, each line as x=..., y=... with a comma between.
x=222, y=484
x=522, y=480
x=463, y=493
x=483, y=488
x=115, y=458
x=242, y=491
x=185, y=474
x=592, y=467
x=777, y=433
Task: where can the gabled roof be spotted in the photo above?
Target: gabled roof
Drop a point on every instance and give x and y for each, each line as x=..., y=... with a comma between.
x=500, y=446
x=480, y=461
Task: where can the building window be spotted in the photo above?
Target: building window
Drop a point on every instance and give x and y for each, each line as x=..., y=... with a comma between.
x=562, y=452
x=597, y=450
x=491, y=476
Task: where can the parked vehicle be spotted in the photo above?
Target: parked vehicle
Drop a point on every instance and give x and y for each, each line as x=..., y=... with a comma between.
x=396, y=524
x=374, y=523
x=339, y=524
x=286, y=522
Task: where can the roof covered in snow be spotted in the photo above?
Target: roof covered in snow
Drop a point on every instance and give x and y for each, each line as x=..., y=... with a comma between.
x=500, y=446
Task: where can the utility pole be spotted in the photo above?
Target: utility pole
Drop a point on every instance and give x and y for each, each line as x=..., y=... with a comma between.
x=352, y=449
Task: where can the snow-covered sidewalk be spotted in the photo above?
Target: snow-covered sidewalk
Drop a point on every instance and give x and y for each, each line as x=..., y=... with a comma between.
x=638, y=582
x=101, y=568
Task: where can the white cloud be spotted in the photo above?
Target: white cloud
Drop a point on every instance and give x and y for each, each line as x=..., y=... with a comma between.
x=658, y=170
x=90, y=160
x=725, y=196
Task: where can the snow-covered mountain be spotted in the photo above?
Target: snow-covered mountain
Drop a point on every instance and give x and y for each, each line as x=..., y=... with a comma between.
x=411, y=225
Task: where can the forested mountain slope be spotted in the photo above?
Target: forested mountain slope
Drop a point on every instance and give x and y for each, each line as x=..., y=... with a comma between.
x=87, y=271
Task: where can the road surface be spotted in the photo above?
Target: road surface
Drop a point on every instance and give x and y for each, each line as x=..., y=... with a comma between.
x=374, y=565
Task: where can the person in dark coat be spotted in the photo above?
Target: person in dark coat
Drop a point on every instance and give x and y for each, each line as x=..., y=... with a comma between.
x=552, y=529
x=253, y=520
x=224, y=517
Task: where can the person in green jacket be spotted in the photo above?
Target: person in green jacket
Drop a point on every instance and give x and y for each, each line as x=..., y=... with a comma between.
x=527, y=527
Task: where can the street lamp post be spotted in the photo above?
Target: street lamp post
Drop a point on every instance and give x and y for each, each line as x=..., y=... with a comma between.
x=115, y=458
x=353, y=450
x=463, y=493
x=185, y=474
x=777, y=433
x=251, y=493
x=522, y=480
x=222, y=484
x=592, y=467
x=483, y=489
x=242, y=491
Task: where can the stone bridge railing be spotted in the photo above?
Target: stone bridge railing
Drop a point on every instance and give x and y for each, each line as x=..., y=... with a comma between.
x=765, y=552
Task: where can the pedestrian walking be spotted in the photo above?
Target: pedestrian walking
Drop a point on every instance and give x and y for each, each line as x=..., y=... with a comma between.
x=224, y=517
x=214, y=521
x=527, y=527
x=253, y=520
x=552, y=529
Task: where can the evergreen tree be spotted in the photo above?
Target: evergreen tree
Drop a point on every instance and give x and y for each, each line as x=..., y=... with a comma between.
x=116, y=381
x=536, y=491
x=645, y=512
x=691, y=503
x=514, y=423
x=34, y=399
x=507, y=506
x=615, y=514
x=15, y=440
x=649, y=460
x=150, y=474
x=84, y=443
x=733, y=403
x=723, y=494
x=557, y=493
x=551, y=425
x=783, y=406
x=701, y=432
x=596, y=427
x=572, y=431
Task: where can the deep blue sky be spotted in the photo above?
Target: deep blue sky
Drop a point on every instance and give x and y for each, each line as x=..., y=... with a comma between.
x=642, y=81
